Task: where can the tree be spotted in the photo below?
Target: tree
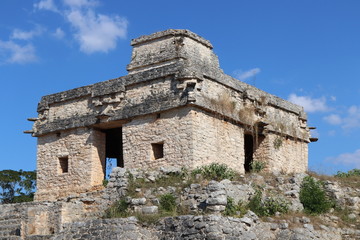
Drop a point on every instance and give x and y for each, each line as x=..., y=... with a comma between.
x=17, y=186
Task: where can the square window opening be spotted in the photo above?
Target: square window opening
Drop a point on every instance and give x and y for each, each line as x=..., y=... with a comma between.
x=64, y=164
x=158, y=150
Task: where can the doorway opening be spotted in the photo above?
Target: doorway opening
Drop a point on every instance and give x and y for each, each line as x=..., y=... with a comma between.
x=113, y=150
x=249, y=151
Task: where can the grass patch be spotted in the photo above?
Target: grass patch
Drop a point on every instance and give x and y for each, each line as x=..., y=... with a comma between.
x=167, y=202
x=215, y=171
x=235, y=210
x=267, y=206
x=349, y=179
x=179, y=181
x=118, y=210
x=257, y=166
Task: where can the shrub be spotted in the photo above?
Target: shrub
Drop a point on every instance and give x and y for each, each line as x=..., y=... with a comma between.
x=313, y=196
x=105, y=182
x=352, y=173
x=267, y=207
x=167, y=202
x=233, y=209
x=215, y=171
x=258, y=166
x=118, y=210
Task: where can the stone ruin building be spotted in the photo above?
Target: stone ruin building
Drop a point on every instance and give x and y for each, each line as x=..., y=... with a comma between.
x=175, y=107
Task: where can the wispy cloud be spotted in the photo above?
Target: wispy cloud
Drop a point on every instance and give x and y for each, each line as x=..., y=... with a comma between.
x=93, y=32
x=26, y=35
x=333, y=119
x=310, y=105
x=81, y=3
x=11, y=52
x=243, y=75
x=46, y=5
x=353, y=118
x=59, y=33
x=349, y=120
x=349, y=159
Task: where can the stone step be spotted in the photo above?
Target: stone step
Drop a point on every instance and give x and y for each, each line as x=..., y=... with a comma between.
x=10, y=222
x=10, y=238
x=10, y=230
x=39, y=237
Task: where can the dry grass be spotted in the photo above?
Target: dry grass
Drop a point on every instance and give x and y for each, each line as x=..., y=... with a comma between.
x=352, y=181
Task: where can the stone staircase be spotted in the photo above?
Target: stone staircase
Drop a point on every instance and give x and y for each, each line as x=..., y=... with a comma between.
x=10, y=228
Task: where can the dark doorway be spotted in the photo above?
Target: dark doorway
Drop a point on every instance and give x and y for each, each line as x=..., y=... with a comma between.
x=249, y=151
x=113, y=149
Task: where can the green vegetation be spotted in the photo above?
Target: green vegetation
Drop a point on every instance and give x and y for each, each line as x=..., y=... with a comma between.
x=233, y=209
x=167, y=202
x=257, y=166
x=352, y=173
x=313, y=196
x=17, y=186
x=268, y=206
x=215, y=171
x=179, y=180
x=118, y=210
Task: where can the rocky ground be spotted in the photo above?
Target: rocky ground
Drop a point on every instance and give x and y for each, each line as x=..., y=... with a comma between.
x=202, y=208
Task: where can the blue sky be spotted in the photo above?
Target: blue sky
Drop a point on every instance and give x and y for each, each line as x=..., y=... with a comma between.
x=304, y=51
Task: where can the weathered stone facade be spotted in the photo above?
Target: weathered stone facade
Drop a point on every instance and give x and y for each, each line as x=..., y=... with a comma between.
x=175, y=107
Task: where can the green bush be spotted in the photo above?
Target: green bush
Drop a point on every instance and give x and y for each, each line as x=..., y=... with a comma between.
x=215, y=171
x=118, y=210
x=268, y=206
x=257, y=166
x=167, y=202
x=352, y=173
x=313, y=196
x=233, y=209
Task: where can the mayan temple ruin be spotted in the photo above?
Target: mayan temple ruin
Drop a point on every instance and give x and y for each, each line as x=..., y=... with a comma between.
x=175, y=107
x=175, y=114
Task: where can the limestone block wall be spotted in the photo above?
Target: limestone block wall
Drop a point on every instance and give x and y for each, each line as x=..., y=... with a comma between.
x=216, y=140
x=287, y=155
x=282, y=154
x=171, y=129
x=69, y=162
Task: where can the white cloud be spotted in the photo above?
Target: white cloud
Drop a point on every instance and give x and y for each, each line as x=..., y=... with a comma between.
x=352, y=120
x=96, y=32
x=46, y=5
x=11, y=52
x=81, y=3
x=350, y=159
x=59, y=33
x=241, y=75
x=333, y=119
x=310, y=104
x=93, y=31
x=26, y=35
